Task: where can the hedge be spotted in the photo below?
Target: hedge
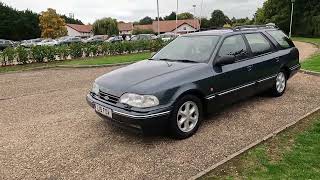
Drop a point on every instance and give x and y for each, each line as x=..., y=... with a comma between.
x=21, y=55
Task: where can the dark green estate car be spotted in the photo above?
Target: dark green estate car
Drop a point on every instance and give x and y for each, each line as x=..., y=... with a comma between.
x=195, y=74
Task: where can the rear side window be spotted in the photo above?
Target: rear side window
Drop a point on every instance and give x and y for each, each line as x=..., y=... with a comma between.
x=258, y=44
x=281, y=38
x=234, y=46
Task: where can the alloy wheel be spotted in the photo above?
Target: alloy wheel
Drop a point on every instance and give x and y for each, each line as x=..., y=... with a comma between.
x=281, y=82
x=188, y=116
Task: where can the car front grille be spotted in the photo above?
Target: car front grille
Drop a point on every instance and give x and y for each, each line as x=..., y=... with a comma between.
x=108, y=97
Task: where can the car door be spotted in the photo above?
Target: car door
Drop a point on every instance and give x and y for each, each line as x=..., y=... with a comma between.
x=232, y=82
x=265, y=62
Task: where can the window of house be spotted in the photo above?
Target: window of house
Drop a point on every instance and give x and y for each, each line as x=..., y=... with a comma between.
x=258, y=43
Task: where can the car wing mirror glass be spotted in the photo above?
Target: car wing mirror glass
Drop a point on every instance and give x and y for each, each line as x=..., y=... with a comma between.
x=224, y=60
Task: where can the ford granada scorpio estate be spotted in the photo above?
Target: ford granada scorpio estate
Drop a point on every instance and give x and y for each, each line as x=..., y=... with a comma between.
x=195, y=74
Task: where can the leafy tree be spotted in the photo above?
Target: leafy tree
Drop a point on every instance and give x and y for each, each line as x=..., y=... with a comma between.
x=105, y=26
x=146, y=20
x=172, y=16
x=218, y=19
x=70, y=20
x=205, y=23
x=52, y=25
x=185, y=15
x=18, y=25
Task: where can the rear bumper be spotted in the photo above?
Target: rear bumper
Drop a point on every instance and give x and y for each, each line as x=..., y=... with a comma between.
x=153, y=122
x=294, y=70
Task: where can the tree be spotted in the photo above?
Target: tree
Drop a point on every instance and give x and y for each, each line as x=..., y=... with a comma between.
x=205, y=23
x=172, y=16
x=25, y=23
x=52, y=25
x=185, y=15
x=218, y=19
x=105, y=26
x=146, y=20
x=70, y=20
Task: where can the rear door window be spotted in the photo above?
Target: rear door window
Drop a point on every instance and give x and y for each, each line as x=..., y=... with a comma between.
x=281, y=38
x=258, y=44
x=234, y=46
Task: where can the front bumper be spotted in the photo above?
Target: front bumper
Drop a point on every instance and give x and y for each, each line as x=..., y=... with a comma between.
x=153, y=122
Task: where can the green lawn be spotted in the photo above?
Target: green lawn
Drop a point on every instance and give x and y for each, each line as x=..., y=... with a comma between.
x=313, y=63
x=91, y=61
x=292, y=154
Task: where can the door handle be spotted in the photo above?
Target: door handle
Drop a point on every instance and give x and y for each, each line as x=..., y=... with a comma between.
x=277, y=59
x=249, y=67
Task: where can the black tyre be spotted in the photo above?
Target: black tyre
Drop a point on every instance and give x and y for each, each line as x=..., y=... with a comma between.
x=280, y=84
x=186, y=117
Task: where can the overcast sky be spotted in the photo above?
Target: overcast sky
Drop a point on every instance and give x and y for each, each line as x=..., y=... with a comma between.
x=131, y=10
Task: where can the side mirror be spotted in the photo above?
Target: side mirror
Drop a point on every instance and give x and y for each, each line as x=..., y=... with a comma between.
x=225, y=60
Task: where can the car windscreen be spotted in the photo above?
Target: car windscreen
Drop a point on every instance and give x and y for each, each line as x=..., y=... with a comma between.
x=192, y=48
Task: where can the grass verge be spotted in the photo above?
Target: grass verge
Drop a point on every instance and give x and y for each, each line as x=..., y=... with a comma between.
x=292, y=154
x=91, y=61
x=312, y=63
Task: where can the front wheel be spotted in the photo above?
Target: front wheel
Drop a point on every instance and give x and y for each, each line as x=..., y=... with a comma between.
x=280, y=85
x=186, y=117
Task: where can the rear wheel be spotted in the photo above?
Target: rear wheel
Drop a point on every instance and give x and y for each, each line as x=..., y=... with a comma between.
x=186, y=117
x=280, y=84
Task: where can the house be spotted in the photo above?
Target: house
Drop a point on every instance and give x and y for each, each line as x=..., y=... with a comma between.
x=183, y=26
x=125, y=28
x=76, y=30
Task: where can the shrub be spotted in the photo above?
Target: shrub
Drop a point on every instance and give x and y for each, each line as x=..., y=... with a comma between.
x=62, y=51
x=38, y=53
x=8, y=55
x=76, y=50
x=22, y=55
x=49, y=53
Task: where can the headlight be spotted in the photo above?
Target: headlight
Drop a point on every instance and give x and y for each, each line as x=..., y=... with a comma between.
x=140, y=101
x=95, y=88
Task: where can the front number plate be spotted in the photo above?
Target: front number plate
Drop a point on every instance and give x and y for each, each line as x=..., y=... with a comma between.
x=104, y=111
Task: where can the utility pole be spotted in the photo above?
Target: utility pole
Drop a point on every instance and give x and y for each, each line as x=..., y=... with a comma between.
x=292, y=8
x=158, y=17
x=201, y=8
x=194, y=16
x=177, y=17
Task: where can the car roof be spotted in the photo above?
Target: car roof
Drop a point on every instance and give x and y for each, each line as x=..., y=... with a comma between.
x=236, y=30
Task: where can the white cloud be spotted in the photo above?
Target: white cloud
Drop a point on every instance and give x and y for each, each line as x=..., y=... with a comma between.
x=131, y=10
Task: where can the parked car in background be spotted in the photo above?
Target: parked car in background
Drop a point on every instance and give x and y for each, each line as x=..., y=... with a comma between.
x=31, y=42
x=69, y=40
x=194, y=74
x=143, y=37
x=5, y=43
x=48, y=42
x=167, y=36
x=115, y=39
x=97, y=38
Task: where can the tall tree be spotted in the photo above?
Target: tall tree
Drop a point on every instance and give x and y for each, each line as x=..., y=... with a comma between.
x=185, y=15
x=105, y=26
x=52, y=25
x=172, y=16
x=205, y=23
x=218, y=19
x=70, y=20
x=146, y=20
x=18, y=25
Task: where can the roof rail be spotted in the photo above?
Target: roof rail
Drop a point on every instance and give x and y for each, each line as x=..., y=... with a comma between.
x=249, y=27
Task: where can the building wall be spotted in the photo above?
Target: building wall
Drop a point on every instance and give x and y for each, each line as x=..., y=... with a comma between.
x=185, y=28
x=72, y=32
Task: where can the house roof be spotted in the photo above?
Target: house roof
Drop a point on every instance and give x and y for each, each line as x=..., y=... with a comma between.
x=144, y=27
x=81, y=28
x=125, y=26
x=169, y=26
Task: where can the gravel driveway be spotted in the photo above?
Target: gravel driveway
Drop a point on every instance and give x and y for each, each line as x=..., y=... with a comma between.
x=48, y=130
